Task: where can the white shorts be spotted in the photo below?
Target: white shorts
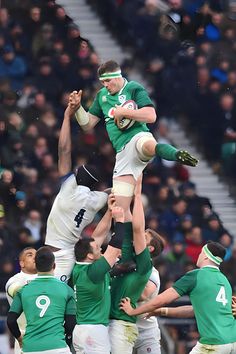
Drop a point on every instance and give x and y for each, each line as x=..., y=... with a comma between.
x=65, y=261
x=214, y=349
x=122, y=336
x=52, y=351
x=148, y=341
x=91, y=339
x=128, y=161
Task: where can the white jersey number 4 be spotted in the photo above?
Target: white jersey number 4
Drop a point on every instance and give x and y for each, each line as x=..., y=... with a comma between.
x=221, y=296
x=42, y=302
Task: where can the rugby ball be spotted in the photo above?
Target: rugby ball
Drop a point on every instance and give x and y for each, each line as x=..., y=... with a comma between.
x=125, y=123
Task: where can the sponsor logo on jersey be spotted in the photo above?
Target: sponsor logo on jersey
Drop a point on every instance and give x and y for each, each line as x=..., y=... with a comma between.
x=122, y=98
x=104, y=98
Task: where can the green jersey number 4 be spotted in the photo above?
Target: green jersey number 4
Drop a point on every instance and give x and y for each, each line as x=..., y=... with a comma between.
x=42, y=302
x=221, y=296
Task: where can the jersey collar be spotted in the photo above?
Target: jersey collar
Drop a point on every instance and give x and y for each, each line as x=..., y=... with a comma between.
x=211, y=266
x=122, y=88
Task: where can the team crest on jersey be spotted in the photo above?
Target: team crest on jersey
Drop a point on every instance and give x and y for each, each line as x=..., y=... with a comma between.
x=104, y=98
x=122, y=98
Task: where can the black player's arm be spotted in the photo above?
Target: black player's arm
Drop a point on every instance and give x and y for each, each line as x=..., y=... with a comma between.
x=69, y=324
x=64, y=144
x=13, y=325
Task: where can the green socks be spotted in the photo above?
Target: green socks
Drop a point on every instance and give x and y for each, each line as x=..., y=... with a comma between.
x=166, y=151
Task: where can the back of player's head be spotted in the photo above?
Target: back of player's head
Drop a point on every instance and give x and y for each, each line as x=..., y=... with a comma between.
x=107, y=67
x=216, y=249
x=44, y=259
x=82, y=248
x=157, y=242
x=87, y=175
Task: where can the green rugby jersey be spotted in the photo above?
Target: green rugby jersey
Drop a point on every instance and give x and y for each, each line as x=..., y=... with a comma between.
x=211, y=295
x=131, y=284
x=44, y=301
x=92, y=284
x=104, y=104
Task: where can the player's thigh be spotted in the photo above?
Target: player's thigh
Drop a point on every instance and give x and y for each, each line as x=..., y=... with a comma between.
x=213, y=349
x=91, y=339
x=122, y=336
x=64, y=260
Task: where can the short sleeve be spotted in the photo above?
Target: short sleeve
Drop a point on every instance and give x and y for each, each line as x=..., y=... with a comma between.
x=143, y=262
x=98, y=269
x=16, y=305
x=71, y=304
x=100, y=200
x=95, y=108
x=186, y=284
x=141, y=97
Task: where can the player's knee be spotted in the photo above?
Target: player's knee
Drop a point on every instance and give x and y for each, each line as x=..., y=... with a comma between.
x=144, y=147
x=123, y=189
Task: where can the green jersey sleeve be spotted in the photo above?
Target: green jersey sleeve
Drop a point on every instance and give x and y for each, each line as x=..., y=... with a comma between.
x=98, y=270
x=95, y=108
x=71, y=304
x=143, y=262
x=16, y=305
x=185, y=284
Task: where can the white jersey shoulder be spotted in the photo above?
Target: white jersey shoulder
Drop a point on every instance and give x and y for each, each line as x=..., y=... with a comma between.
x=73, y=209
x=12, y=286
x=16, y=282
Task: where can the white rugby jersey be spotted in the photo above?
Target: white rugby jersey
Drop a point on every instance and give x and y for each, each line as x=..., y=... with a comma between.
x=152, y=321
x=74, y=207
x=17, y=281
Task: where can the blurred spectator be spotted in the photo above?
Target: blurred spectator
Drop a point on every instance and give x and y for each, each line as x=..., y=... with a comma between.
x=34, y=224
x=213, y=229
x=13, y=67
x=194, y=243
x=229, y=269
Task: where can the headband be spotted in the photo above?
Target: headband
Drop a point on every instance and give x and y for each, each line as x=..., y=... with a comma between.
x=110, y=75
x=90, y=174
x=213, y=258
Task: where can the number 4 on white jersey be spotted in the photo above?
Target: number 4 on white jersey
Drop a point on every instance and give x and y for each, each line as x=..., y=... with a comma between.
x=221, y=296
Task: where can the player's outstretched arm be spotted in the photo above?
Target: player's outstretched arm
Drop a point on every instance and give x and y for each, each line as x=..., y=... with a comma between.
x=103, y=227
x=64, y=144
x=166, y=297
x=177, y=312
x=85, y=119
x=138, y=220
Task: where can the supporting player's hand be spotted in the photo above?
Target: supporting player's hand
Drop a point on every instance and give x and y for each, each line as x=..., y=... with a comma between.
x=126, y=306
x=234, y=305
x=111, y=201
x=118, y=214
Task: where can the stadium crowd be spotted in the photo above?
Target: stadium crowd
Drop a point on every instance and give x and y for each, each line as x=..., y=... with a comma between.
x=43, y=57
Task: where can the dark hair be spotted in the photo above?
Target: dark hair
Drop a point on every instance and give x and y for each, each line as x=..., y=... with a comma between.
x=157, y=242
x=216, y=249
x=44, y=259
x=87, y=175
x=82, y=248
x=108, y=66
